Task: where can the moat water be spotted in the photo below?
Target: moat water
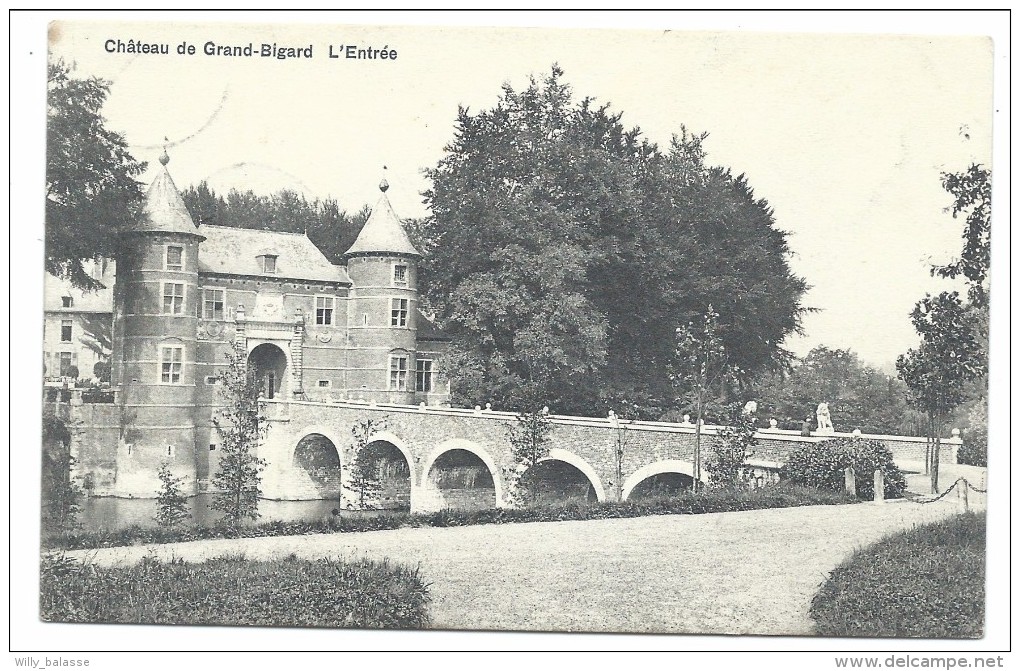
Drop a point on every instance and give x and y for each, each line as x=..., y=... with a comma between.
x=116, y=513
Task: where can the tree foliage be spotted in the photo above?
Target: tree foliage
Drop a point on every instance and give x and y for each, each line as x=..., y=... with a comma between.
x=171, y=503
x=700, y=366
x=61, y=495
x=331, y=228
x=91, y=191
x=949, y=356
x=565, y=248
x=364, y=480
x=859, y=396
x=972, y=197
x=241, y=425
x=734, y=443
x=529, y=444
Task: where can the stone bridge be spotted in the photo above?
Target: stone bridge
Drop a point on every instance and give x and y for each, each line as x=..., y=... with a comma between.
x=432, y=457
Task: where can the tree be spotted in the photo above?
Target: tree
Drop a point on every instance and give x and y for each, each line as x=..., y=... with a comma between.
x=972, y=194
x=332, y=229
x=935, y=372
x=529, y=444
x=241, y=426
x=565, y=248
x=171, y=504
x=700, y=366
x=91, y=191
x=859, y=396
x=364, y=480
x=734, y=443
x=61, y=495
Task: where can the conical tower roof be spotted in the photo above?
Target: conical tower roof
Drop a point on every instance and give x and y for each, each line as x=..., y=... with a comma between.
x=383, y=232
x=164, y=210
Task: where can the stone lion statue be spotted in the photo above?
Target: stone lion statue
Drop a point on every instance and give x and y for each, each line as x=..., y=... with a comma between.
x=824, y=420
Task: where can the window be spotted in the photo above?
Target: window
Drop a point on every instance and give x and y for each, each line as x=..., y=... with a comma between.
x=170, y=363
x=173, y=298
x=212, y=304
x=423, y=375
x=66, y=361
x=268, y=263
x=399, y=275
x=398, y=373
x=212, y=379
x=174, y=258
x=65, y=301
x=212, y=447
x=66, y=326
x=324, y=310
x=323, y=384
x=398, y=312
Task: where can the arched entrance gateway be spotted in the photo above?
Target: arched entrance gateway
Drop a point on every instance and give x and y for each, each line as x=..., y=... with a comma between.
x=318, y=457
x=270, y=365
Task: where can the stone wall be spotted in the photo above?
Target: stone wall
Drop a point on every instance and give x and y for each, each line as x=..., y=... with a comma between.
x=423, y=434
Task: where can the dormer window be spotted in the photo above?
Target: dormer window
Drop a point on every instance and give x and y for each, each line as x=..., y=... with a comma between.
x=268, y=264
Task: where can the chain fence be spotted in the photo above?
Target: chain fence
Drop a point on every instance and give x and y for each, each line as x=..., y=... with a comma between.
x=966, y=483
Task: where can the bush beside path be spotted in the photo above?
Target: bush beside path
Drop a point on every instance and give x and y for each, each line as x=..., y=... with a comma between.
x=752, y=572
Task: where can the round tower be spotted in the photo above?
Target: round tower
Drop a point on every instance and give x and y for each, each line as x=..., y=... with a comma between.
x=155, y=322
x=382, y=310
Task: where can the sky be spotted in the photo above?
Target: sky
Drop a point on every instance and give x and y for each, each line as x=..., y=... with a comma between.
x=845, y=135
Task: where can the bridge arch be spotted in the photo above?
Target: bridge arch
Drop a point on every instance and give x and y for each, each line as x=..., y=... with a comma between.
x=467, y=446
x=559, y=454
x=316, y=461
x=396, y=486
x=324, y=431
x=657, y=468
x=397, y=442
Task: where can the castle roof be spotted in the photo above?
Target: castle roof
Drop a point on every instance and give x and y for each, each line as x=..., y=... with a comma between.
x=164, y=210
x=239, y=251
x=383, y=232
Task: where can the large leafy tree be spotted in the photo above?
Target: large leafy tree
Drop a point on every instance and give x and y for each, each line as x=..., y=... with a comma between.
x=91, y=190
x=565, y=249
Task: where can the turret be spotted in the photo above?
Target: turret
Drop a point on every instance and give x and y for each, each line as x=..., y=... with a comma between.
x=383, y=267
x=155, y=322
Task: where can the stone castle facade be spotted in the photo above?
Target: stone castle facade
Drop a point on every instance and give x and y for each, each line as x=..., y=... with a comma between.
x=184, y=296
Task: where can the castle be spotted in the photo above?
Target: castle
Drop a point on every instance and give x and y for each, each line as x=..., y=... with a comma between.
x=184, y=296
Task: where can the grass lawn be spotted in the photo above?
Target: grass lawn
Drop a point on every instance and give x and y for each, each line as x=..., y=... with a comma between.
x=926, y=582
x=236, y=591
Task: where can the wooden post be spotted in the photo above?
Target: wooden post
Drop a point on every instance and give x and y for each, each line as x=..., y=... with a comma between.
x=850, y=481
x=965, y=494
x=879, y=486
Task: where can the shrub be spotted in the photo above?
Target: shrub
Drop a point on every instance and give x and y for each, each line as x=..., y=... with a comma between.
x=171, y=504
x=822, y=465
x=687, y=503
x=101, y=371
x=926, y=582
x=224, y=591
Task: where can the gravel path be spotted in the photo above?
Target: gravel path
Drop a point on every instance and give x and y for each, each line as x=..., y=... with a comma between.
x=730, y=573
